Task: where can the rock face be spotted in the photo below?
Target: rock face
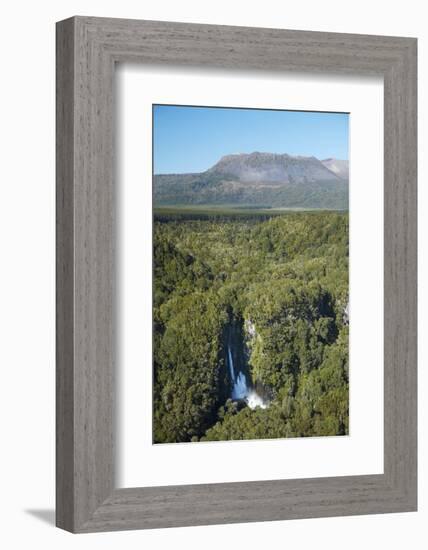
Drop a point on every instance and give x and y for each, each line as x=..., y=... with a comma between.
x=258, y=179
x=338, y=167
x=345, y=315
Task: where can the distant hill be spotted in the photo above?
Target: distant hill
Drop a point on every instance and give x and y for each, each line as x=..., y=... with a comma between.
x=259, y=179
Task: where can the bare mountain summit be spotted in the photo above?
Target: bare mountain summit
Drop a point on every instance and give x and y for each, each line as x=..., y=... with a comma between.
x=273, y=168
x=259, y=179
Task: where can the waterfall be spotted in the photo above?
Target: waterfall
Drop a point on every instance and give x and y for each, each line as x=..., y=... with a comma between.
x=240, y=389
x=231, y=369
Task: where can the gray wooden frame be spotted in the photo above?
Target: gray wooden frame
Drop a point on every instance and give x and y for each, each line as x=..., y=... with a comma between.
x=87, y=50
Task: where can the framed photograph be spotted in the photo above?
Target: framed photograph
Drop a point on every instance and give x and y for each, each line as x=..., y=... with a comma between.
x=236, y=274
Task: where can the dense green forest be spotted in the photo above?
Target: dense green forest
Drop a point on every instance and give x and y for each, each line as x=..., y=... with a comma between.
x=261, y=292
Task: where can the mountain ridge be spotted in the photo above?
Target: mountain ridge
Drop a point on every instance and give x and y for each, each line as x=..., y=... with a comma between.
x=259, y=178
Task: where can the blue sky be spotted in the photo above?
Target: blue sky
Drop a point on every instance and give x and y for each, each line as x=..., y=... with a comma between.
x=192, y=139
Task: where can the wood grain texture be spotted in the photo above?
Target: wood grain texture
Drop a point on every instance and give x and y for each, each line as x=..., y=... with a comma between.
x=87, y=50
x=64, y=276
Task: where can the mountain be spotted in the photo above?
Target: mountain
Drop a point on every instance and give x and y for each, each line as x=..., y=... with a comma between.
x=258, y=179
x=338, y=167
x=270, y=168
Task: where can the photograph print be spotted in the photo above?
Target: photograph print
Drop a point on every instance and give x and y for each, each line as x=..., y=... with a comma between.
x=250, y=274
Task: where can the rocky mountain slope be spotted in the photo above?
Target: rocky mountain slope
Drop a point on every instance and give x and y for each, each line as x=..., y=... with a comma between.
x=338, y=167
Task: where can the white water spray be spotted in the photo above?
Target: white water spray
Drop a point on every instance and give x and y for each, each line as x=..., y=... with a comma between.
x=254, y=400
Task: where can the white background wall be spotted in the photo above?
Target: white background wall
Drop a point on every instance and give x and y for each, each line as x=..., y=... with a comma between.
x=27, y=272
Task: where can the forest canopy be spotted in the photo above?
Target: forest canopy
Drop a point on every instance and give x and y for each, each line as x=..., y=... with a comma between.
x=265, y=292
